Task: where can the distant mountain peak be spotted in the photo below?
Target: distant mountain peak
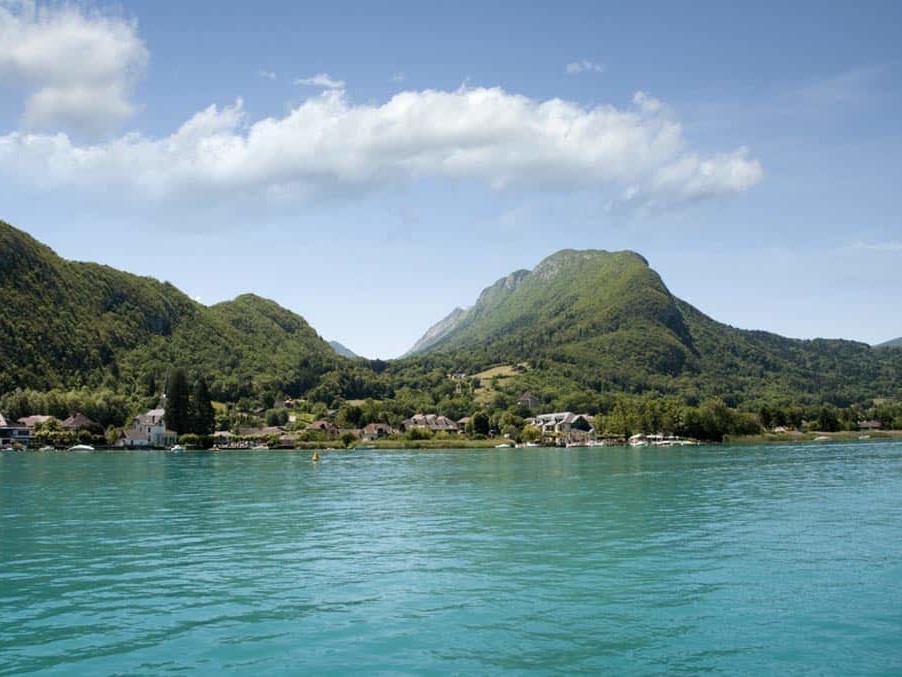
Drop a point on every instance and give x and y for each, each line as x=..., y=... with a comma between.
x=342, y=350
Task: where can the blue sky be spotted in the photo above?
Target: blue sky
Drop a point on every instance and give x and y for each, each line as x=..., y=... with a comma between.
x=373, y=166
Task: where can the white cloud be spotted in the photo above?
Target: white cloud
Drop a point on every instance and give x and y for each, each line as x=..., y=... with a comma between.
x=78, y=68
x=266, y=75
x=327, y=145
x=321, y=80
x=583, y=66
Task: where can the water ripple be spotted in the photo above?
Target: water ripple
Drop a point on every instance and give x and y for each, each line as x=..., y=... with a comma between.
x=731, y=559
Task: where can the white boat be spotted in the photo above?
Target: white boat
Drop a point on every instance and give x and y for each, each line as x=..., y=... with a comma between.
x=177, y=448
x=81, y=447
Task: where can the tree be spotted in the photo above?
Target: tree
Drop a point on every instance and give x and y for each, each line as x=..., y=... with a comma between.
x=202, y=413
x=480, y=423
x=178, y=402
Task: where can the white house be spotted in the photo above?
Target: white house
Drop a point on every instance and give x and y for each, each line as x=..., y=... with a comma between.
x=153, y=425
x=564, y=425
x=10, y=433
x=133, y=439
x=433, y=422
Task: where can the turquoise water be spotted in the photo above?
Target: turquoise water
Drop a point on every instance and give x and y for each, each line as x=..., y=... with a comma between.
x=735, y=559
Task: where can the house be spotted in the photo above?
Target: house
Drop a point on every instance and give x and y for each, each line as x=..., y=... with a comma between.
x=869, y=426
x=77, y=421
x=529, y=401
x=223, y=438
x=153, y=424
x=323, y=426
x=132, y=439
x=376, y=431
x=32, y=422
x=11, y=433
x=564, y=426
x=433, y=422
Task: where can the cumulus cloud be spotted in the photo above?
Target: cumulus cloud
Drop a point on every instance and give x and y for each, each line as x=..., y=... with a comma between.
x=321, y=80
x=691, y=179
x=583, y=66
x=79, y=69
x=327, y=144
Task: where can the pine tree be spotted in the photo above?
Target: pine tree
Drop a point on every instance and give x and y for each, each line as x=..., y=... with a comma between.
x=178, y=402
x=203, y=417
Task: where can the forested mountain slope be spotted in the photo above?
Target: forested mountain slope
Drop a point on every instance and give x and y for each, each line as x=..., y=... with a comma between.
x=69, y=324
x=606, y=320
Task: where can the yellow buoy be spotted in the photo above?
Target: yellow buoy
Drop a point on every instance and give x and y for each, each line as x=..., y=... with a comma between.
x=315, y=456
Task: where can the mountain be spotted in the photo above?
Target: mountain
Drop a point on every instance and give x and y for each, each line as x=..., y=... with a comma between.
x=606, y=321
x=580, y=326
x=342, y=350
x=437, y=331
x=570, y=301
x=70, y=324
x=893, y=343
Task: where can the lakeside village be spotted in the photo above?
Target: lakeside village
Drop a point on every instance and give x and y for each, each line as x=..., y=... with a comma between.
x=149, y=430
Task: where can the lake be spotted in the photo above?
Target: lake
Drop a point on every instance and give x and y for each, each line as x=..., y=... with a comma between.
x=740, y=559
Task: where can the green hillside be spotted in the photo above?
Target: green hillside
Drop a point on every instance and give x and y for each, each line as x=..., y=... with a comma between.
x=68, y=324
x=580, y=328
x=607, y=323
x=894, y=343
x=605, y=311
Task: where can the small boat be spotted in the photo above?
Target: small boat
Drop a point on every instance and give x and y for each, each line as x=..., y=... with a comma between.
x=177, y=448
x=503, y=445
x=81, y=447
x=260, y=447
x=47, y=448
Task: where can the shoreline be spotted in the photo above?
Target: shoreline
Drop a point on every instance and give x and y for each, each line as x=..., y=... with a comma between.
x=817, y=437
x=465, y=445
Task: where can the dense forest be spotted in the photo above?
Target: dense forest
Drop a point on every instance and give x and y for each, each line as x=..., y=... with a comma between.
x=594, y=332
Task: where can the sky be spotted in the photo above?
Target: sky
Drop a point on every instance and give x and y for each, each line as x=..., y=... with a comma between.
x=372, y=166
